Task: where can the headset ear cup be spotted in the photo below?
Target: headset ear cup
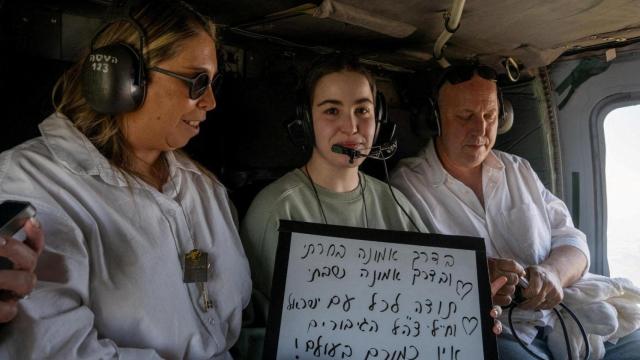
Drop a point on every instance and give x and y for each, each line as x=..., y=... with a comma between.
x=500, y=105
x=436, y=120
x=505, y=122
x=295, y=129
x=307, y=127
x=381, y=116
x=385, y=132
x=113, y=79
x=433, y=117
x=301, y=128
x=307, y=122
x=505, y=114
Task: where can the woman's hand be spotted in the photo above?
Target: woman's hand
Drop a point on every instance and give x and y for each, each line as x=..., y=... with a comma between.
x=495, y=312
x=18, y=282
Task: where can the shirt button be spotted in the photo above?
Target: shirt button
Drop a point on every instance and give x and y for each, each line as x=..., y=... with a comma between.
x=171, y=212
x=211, y=321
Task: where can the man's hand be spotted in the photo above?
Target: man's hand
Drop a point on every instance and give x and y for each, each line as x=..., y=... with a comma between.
x=512, y=271
x=21, y=280
x=544, y=290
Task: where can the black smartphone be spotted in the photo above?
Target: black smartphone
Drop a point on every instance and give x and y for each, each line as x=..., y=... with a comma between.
x=13, y=216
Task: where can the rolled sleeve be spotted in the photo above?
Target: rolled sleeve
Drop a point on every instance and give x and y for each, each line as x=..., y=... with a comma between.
x=563, y=232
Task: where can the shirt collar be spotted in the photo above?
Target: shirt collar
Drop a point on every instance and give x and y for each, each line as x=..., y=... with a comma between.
x=439, y=174
x=493, y=161
x=74, y=151
x=178, y=160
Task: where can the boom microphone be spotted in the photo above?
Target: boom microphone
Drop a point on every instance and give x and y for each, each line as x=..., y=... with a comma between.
x=381, y=152
x=351, y=153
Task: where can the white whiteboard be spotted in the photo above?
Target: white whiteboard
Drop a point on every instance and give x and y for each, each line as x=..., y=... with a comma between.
x=373, y=296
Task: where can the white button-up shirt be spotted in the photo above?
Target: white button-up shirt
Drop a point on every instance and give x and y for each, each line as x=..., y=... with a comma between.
x=520, y=220
x=110, y=279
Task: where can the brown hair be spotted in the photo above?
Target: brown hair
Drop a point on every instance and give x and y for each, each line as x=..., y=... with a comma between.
x=167, y=24
x=333, y=63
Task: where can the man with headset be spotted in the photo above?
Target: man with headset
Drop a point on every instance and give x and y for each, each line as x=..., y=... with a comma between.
x=460, y=185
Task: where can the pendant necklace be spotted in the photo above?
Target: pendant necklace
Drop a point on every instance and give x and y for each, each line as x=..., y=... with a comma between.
x=195, y=263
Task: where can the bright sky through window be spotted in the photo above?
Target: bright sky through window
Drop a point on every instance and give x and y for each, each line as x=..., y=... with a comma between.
x=622, y=141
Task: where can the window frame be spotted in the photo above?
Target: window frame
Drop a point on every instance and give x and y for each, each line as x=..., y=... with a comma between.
x=599, y=156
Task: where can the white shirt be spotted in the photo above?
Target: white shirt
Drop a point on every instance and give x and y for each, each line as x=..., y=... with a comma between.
x=520, y=220
x=110, y=279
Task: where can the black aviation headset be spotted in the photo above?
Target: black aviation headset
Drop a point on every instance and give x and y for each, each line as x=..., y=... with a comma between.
x=456, y=74
x=383, y=146
x=114, y=77
x=301, y=128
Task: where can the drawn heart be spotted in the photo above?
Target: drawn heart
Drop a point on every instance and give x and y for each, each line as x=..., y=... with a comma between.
x=469, y=324
x=463, y=289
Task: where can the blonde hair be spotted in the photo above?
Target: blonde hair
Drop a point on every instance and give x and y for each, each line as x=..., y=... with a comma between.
x=167, y=24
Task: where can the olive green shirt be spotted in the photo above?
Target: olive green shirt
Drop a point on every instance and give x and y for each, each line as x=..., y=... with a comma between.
x=292, y=198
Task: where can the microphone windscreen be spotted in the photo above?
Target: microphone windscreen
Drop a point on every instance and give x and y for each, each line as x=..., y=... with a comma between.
x=338, y=149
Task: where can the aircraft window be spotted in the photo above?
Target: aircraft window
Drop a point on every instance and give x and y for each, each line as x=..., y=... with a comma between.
x=621, y=134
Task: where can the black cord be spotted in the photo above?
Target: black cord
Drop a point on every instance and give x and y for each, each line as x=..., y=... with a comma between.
x=386, y=173
x=315, y=191
x=564, y=331
x=515, y=334
x=364, y=202
x=582, y=331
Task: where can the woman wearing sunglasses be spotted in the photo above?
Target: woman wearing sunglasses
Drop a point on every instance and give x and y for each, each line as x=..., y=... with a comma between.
x=143, y=258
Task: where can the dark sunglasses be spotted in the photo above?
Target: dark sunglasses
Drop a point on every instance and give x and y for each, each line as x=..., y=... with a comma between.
x=198, y=84
x=461, y=73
